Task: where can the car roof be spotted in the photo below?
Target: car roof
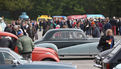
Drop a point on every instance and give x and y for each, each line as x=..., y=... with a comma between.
x=66, y=29
x=4, y=49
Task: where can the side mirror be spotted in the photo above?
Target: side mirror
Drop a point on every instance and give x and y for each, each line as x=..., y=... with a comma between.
x=15, y=62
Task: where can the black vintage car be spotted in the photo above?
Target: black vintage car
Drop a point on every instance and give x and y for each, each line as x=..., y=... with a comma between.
x=101, y=56
x=11, y=60
x=70, y=42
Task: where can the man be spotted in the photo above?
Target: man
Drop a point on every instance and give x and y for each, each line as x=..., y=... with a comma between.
x=113, y=22
x=25, y=45
x=31, y=30
x=107, y=25
x=8, y=28
x=95, y=31
x=2, y=25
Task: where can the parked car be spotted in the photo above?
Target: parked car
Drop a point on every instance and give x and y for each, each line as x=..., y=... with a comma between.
x=10, y=60
x=39, y=53
x=70, y=42
x=99, y=58
x=113, y=58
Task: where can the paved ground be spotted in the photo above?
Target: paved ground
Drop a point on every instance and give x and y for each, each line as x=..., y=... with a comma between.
x=82, y=62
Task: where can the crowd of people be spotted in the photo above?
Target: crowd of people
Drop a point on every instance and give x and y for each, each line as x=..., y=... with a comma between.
x=92, y=27
x=27, y=30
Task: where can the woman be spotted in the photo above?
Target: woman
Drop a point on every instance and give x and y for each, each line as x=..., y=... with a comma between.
x=107, y=41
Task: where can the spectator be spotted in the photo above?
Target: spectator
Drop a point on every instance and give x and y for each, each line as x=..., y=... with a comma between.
x=95, y=31
x=8, y=28
x=113, y=22
x=106, y=41
x=31, y=30
x=88, y=27
x=107, y=25
x=2, y=24
x=25, y=46
x=119, y=23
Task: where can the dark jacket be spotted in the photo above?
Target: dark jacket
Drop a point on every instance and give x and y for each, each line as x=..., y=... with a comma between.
x=107, y=26
x=96, y=32
x=113, y=22
x=104, y=45
x=7, y=29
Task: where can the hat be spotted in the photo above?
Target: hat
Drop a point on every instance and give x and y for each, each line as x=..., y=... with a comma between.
x=19, y=32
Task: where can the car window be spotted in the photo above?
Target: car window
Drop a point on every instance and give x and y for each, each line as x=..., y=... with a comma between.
x=61, y=35
x=75, y=35
x=8, y=58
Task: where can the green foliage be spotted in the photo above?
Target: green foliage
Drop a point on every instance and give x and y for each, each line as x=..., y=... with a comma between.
x=61, y=7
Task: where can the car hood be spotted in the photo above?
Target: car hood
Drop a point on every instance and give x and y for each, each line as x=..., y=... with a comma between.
x=52, y=65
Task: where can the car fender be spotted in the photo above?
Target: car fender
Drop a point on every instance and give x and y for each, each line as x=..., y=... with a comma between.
x=40, y=54
x=47, y=45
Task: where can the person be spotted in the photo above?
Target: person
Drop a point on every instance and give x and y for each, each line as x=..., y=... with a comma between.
x=25, y=45
x=8, y=28
x=95, y=31
x=15, y=29
x=2, y=24
x=31, y=30
x=106, y=41
x=107, y=25
x=119, y=24
x=87, y=27
x=113, y=23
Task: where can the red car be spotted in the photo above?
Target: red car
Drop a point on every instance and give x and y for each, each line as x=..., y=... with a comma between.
x=38, y=54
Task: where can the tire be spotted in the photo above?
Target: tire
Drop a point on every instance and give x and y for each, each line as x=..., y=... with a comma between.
x=49, y=59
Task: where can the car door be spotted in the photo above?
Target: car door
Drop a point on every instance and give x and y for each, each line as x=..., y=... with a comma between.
x=76, y=44
x=6, y=61
x=74, y=38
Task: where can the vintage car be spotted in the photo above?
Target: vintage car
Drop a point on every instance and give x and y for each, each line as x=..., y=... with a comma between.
x=101, y=56
x=11, y=60
x=39, y=53
x=70, y=42
x=112, y=58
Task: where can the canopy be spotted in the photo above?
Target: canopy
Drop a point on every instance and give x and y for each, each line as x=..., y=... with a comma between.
x=76, y=17
x=24, y=16
x=59, y=16
x=62, y=17
x=95, y=16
